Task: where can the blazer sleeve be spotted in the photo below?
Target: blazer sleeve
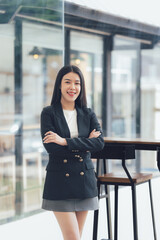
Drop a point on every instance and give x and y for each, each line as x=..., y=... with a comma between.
x=88, y=144
x=47, y=125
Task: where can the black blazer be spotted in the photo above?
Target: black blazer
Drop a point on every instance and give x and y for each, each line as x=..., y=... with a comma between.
x=70, y=171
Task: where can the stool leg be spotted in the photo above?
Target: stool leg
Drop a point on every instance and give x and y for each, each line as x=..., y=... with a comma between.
x=96, y=213
x=95, y=224
x=108, y=209
x=152, y=210
x=134, y=205
x=116, y=214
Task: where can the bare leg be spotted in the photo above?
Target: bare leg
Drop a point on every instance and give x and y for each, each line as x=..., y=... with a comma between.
x=81, y=218
x=68, y=224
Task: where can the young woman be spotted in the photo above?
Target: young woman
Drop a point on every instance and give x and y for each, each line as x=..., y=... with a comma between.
x=70, y=131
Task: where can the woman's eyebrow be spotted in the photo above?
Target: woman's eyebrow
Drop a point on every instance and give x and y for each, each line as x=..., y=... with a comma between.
x=77, y=80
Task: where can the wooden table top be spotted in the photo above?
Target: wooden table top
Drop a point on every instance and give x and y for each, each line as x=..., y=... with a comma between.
x=139, y=144
x=131, y=140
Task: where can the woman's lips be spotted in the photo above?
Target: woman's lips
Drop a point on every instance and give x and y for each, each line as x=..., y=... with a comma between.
x=71, y=94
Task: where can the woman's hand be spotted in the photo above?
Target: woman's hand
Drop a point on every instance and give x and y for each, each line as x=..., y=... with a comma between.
x=51, y=137
x=94, y=134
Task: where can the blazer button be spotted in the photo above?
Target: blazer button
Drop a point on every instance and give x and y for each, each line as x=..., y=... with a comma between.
x=67, y=174
x=81, y=173
x=81, y=159
x=65, y=160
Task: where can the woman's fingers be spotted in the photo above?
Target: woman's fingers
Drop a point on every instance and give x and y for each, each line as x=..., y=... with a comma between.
x=49, y=137
x=94, y=133
x=97, y=134
x=48, y=133
x=54, y=138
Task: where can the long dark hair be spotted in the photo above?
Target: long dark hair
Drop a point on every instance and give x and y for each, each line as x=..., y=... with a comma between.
x=81, y=101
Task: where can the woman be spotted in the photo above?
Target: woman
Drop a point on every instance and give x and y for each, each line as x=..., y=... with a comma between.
x=70, y=131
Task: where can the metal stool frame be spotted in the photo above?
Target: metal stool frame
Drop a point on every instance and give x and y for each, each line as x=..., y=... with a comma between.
x=133, y=185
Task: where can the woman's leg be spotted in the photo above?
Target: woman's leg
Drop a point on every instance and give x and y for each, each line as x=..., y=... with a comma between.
x=68, y=224
x=81, y=217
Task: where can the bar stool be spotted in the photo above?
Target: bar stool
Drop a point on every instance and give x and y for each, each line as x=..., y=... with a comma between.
x=122, y=152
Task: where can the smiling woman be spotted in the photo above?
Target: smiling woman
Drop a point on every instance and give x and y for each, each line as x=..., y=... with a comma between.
x=70, y=131
x=70, y=89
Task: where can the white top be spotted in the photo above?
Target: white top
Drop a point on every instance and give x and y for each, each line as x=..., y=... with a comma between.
x=71, y=119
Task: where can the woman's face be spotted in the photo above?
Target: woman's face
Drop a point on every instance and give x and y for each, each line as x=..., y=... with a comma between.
x=70, y=87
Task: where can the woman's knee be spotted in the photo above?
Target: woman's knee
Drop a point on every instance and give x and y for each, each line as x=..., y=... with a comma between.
x=71, y=235
x=69, y=225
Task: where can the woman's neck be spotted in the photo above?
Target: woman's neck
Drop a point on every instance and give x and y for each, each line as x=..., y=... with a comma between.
x=68, y=105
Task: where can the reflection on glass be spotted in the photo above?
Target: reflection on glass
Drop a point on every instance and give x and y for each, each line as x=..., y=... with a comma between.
x=32, y=175
x=31, y=55
x=38, y=81
x=7, y=206
x=150, y=101
x=7, y=174
x=46, y=11
x=7, y=123
x=32, y=199
x=150, y=87
x=124, y=75
x=86, y=53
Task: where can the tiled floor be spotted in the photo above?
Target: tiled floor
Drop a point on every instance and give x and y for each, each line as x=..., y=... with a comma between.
x=44, y=226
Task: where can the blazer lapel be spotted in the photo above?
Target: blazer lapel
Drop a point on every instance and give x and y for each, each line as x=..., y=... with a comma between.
x=83, y=123
x=61, y=121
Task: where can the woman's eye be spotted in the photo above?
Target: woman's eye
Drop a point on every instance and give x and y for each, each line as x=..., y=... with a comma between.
x=77, y=83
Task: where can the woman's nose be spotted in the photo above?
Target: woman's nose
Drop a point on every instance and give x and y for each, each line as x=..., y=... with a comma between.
x=72, y=86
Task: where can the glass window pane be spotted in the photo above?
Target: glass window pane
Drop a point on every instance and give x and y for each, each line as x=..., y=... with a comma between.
x=7, y=122
x=39, y=72
x=150, y=102
x=86, y=53
x=31, y=54
x=124, y=76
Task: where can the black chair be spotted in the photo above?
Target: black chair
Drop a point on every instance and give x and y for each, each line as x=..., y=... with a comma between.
x=120, y=152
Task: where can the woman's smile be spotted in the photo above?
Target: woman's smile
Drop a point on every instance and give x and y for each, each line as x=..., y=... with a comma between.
x=70, y=87
x=71, y=93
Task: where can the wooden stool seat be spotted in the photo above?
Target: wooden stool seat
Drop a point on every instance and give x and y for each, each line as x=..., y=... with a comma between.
x=122, y=178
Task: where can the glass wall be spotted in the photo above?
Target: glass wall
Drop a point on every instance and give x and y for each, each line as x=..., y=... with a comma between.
x=31, y=54
x=150, y=102
x=124, y=81
x=135, y=95
x=38, y=81
x=124, y=73
x=7, y=126
x=86, y=53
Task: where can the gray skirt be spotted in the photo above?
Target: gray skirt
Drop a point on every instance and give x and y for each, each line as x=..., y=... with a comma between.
x=71, y=205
